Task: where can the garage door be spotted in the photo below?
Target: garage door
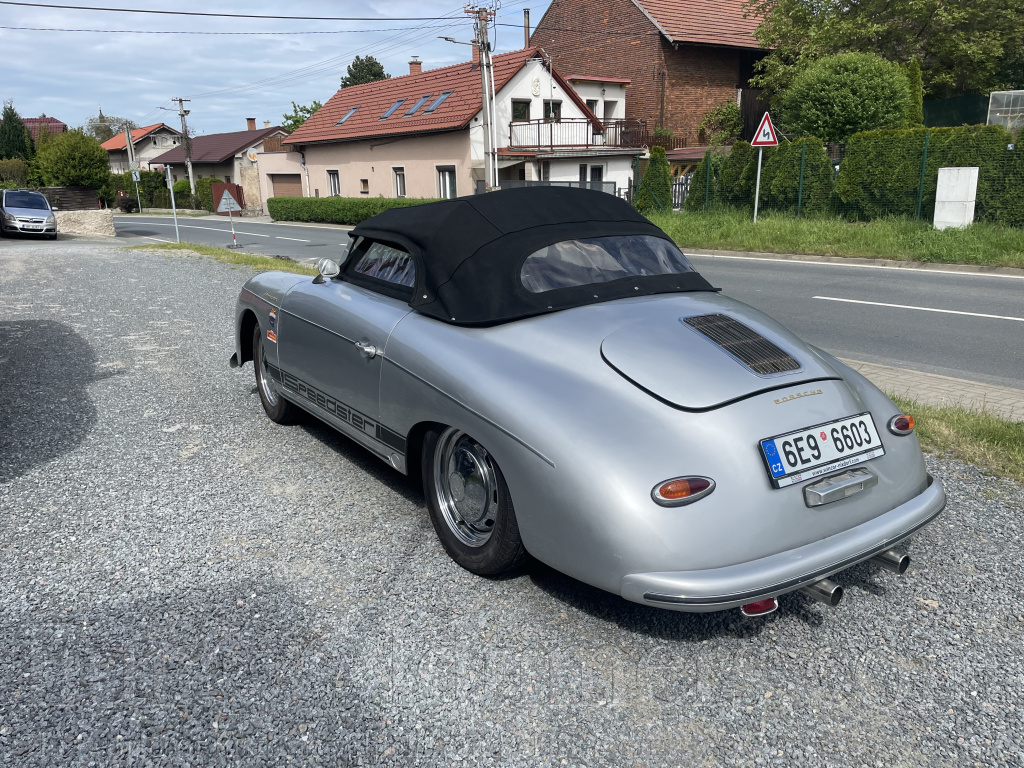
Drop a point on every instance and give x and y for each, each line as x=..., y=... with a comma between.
x=286, y=184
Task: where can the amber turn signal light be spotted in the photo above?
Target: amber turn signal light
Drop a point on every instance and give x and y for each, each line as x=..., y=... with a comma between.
x=682, y=490
x=901, y=425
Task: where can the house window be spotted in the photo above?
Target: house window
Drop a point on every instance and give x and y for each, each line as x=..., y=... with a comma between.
x=227, y=179
x=596, y=176
x=364, y=186
x=333, y=183
x=583, y=173
x=399, y=173
x=592, y=106
x=520, y=110
x=545, y=170
x=446, y=182
x=552, y=110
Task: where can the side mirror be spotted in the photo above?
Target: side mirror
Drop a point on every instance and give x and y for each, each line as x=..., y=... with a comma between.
x=326, y=269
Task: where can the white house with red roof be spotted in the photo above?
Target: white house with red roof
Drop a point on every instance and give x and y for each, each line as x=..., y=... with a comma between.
x=148, y=141
x=422, y=134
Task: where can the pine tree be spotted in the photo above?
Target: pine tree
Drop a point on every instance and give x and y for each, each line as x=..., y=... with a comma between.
x=15, y=140
x=364, y=69
x=655, y=192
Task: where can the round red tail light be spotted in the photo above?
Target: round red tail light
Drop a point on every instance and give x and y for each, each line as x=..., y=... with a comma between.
x=682, y=490
x=901, y=425
x=760, y=608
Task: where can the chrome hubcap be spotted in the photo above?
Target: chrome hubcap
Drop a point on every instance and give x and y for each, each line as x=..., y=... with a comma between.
x=269, y=394
x=467, y=487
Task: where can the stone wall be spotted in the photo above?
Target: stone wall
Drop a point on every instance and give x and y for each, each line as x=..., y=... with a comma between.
x=249, y=181
x=99, y=222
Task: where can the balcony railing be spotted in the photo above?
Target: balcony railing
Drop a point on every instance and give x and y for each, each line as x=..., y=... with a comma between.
x=580, y=133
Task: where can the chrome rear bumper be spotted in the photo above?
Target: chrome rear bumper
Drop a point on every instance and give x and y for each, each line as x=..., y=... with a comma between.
x=735, y=585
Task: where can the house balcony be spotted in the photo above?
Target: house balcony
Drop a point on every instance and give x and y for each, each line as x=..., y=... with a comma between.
x=581, y=133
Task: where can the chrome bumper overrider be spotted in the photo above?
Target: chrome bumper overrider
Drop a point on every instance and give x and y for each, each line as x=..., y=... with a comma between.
x=719, y=588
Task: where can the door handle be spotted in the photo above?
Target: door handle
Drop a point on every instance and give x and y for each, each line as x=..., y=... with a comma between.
x=366, y=349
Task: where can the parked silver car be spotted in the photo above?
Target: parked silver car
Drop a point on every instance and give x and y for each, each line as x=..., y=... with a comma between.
x=24, y=211
x=567, y=385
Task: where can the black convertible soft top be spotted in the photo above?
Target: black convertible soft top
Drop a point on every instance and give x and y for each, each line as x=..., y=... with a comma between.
x=469, y=251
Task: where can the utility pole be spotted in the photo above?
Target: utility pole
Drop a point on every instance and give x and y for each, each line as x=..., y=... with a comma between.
x=483, y=17
x=132, y=165
x=186, y=142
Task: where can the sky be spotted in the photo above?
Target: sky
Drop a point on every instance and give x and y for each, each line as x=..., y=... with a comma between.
x=70, y=75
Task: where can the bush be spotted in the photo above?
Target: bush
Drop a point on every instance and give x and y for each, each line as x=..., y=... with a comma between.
x=723, y=123
x=881, y=173
x=72, y=159
x=838, y=96
x=204, y=192
x=739, y=175
x=780, y=177
x=336, y=210
x=14, y=172
x=705, y=184
x=655, y=193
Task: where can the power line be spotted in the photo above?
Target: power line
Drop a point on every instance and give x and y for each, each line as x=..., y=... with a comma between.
x=221, y=15
x=189, y=32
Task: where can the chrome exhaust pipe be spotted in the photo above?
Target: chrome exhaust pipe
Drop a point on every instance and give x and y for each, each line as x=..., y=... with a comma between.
x=891, y=560
x=825, y=591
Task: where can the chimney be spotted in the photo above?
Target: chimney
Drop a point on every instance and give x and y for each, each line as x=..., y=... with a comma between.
x=415, y=66
x=250, y=123
x=266, y=123
x=526, y=27
x=476, y=53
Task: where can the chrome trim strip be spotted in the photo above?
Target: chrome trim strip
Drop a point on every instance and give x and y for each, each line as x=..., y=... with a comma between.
x=480, y=416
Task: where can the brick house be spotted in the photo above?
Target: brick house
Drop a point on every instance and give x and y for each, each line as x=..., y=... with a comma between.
x=682, y=57
x=422, y=135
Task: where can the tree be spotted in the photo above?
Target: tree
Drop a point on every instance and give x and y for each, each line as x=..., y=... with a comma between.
x=655, y=192
x=839, y=96
x=364, y=69
x=72, y=159
x=915, y=116
x=723, y=123
x=299, y=115
x=961, y=46
x=104, y=127
x=15, y=140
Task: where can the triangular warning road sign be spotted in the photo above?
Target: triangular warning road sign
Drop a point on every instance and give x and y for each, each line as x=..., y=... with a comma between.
x=765, y=136
x=228, y=203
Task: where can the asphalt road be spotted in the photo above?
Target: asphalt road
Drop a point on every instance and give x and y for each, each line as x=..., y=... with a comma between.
x=819, y=301
x=186, y=583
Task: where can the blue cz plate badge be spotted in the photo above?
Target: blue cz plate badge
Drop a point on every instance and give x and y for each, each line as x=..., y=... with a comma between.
x=814, y=451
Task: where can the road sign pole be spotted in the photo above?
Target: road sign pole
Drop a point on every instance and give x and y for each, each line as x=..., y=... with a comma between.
x=234, y=243
x=757, y=188
x=174, y=207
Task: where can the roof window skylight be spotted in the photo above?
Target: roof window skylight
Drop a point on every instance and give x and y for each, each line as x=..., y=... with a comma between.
x=392, y=108
x=347, y=115
x=417, y=105
x=437, y=102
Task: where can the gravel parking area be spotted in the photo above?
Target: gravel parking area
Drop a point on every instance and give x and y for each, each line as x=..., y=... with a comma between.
x=186, y=584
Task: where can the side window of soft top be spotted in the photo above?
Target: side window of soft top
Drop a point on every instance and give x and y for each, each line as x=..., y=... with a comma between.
x=381, y=261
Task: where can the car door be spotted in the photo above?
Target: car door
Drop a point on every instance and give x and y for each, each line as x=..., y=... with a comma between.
x=331, y=339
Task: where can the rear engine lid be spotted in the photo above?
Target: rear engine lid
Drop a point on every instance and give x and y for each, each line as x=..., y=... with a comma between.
x=706, y=360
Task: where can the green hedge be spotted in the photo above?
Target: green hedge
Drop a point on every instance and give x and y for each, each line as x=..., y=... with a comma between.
x=336, y=210
x=881, y=172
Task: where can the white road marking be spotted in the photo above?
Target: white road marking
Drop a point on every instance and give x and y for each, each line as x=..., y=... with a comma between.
x=854, y=266
x=158, y=239
x=920, y=309
x=296, y=239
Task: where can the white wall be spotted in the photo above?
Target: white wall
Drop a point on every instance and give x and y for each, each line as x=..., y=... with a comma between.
x=617, y=168
x=611, y=105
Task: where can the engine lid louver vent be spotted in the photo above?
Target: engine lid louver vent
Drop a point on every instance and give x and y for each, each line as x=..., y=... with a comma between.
x=743, y=343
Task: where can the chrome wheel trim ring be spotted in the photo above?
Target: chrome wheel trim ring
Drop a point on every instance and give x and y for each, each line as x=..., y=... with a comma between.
x=269, y=395
x=466, y=486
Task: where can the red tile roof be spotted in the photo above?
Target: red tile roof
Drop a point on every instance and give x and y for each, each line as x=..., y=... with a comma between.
x=216, y=147
x=709, y=22
x=34, y=125
x=118, y=141
x=374, y=99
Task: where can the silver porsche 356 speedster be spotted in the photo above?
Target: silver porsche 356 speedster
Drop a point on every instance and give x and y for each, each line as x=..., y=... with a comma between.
x=568, y=386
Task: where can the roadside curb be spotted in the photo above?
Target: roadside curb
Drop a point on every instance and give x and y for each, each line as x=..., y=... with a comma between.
x=850, y=261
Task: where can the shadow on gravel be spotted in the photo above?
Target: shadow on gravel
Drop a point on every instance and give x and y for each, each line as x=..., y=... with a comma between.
x=229, y=672
x=45, y=409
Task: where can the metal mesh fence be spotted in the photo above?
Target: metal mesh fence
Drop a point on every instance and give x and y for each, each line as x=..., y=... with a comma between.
x=875, y=175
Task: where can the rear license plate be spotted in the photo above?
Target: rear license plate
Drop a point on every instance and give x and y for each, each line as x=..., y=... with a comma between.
x=814, y=451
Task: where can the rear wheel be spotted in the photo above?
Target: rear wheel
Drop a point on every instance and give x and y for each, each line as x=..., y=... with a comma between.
x=277, y=408
x=470, y=506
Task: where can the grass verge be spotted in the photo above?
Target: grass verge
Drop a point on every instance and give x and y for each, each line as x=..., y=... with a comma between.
x=994, y=444
x=259, y=263
x=979, y=244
